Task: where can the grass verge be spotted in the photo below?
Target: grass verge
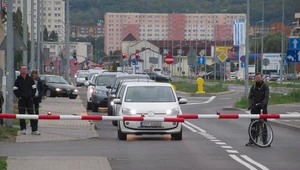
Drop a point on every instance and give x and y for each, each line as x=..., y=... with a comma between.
x=8, y=134
x=193, y=88
x=275, y=98
x=3, y=164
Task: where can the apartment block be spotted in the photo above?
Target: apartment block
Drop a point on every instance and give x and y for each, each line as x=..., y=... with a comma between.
x=80, y=30
x=53, y=14
x=163, y=26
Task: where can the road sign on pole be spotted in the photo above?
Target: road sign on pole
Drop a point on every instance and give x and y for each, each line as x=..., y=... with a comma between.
x=169, y=59
x=201, y=60
x=294, y=43
x=266, y=61
x=243, y=65
x=134, y=62
x=293, y=56
x=222, y=57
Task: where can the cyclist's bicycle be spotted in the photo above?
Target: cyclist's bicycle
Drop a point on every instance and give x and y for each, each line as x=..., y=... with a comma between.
x=259, y=131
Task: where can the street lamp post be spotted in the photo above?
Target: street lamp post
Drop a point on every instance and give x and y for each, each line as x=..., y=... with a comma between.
x=262, y=35
x=256, y=49
x=32, y=51
x=25, y=57
x=282, y=42
x=247, y=49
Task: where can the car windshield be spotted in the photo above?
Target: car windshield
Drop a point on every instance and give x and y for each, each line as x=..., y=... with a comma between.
x=119, y=79
x=55, y=79
x=82, y=75
x=104, y=80
x=91, y=75
x=150, y=94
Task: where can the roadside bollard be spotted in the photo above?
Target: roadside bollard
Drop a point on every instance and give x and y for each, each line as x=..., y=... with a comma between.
x=200, y=83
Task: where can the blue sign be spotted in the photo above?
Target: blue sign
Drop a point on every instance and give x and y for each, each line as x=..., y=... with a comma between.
x=243, y=65
x=75, y=59
x=201, y=60
x=192, y=66
x=239, y=31
x=134, y=62
x=294, y=43
x=293, y=56
x=137, y=67
x=127, y=62
x=284, y=62
x=243, y=58
x=99, y=59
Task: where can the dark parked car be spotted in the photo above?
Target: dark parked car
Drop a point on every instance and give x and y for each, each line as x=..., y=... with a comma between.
x=56, y=86
x=158, y=77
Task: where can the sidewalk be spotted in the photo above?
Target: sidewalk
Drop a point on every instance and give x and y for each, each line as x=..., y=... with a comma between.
x=56, y=131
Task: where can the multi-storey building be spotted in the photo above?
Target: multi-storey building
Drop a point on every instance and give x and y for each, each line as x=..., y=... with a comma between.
x=80, y=30
x=53, y=14
x=163, y=26
x=258, y=30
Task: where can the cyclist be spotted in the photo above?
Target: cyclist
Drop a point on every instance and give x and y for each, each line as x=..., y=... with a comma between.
x=258, y=100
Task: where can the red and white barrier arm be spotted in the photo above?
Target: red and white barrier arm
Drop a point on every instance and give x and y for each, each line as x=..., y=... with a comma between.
x=90, y=117
x=239, y=116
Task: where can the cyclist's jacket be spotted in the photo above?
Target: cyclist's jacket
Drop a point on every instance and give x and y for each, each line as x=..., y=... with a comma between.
x=259, y=93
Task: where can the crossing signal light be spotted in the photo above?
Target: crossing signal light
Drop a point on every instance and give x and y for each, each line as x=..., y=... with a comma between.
x=123, y=55
x=137, y=55
x=75, y=62
x=74, y=55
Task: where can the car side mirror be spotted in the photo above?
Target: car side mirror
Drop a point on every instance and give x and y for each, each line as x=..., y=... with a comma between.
x=178, y=98
x=117, y=101
x=182, y=101
x=108, y=86
x=86, y=83
x=113, y=92
x=86, y=78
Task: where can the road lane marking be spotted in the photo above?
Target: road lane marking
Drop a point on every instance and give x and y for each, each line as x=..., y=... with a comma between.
x=232, y=151
x=210, y=99
x=220, y=143
x=242, y=162
x=191, y=129
x=215, y=140
x=226, y=147
x=254, y=162
x=195, y=127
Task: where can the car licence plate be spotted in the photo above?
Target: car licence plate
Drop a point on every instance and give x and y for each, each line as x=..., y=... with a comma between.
x=151, y=124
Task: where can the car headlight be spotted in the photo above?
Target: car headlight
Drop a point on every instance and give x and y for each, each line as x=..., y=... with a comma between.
x=91, y=90
x=128, y=111
x=112, y=103
x=76, y=90
x=57, y=89
x=172, y=112
x=98, y=91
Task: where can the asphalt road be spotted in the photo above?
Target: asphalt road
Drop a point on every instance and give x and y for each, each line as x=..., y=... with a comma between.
x=207, y=144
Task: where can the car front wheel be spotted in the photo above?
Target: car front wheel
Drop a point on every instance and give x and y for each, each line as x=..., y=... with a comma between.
x=177, y=136
x=48, y=93
x=121, y=135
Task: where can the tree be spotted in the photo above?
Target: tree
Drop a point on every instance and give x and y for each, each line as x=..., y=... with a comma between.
x=46, y=34
x=53, y=36
x=18, y=26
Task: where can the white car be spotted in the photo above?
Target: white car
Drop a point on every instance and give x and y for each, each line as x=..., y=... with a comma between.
x=90, y=89
x=81, y=78
x=149, y=100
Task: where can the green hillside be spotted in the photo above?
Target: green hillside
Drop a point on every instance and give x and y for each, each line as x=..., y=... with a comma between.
x=89, y=11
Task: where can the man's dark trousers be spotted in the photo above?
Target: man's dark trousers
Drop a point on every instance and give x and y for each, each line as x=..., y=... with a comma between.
x=257, y=110
x=23, y=105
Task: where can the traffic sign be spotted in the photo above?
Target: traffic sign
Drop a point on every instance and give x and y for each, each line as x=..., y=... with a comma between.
x=243, y=65
x=134, y=62
x=243, y=58
x=294, y=43
x=266, y=61
x=169, y=59
x=284, y=62
x=137, y=67
x=192, y=66
x=293, y=56
x=201, y=60
x=202, y=53
x=99, y=59
x=222, y=57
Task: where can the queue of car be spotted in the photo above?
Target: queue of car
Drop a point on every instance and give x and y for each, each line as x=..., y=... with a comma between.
x=135, y=95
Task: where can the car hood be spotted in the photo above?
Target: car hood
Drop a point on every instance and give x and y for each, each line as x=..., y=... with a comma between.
x=80, y=79
x=154, y=107
x=61, y=86
x=102, y=88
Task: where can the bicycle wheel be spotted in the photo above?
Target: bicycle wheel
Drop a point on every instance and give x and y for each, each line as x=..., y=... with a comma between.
x=261, y=133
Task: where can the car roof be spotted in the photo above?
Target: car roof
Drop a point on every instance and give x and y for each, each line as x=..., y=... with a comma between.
x=132, y=75
x=148, y=84
x=110, y=73
x=48, y=75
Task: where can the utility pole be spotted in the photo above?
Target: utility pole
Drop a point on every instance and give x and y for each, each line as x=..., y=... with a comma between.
x=247, y=49
x=205, y=48
x=38, y=33
x=282, y=42
x=25, y=40
x=32, y=51
x=67, y=40
x=42, y=35
x=262, y=36
x=10, y=62
x=215, y=48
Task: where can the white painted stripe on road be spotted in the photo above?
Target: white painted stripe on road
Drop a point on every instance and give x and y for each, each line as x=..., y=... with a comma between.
x=232, y=151
x=196, y=127
x=254, y=162
x=215, y=140
x=211, y=138
x=221, y=143
x=191, y=129
x=242, y=162
x=226, y=147
x=210, y=99
x=189, y=104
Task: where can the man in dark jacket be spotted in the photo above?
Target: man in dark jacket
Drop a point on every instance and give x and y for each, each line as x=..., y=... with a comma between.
x=258, y=100
x=24, y=90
